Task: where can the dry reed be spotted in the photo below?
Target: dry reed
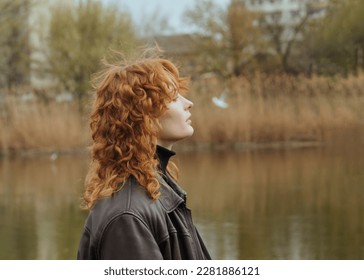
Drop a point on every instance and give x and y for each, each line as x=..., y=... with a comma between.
x=39, y=126
x=263, y=109
x=271, y=109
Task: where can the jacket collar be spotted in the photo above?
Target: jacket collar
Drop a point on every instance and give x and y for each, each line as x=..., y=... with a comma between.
x=171, y=195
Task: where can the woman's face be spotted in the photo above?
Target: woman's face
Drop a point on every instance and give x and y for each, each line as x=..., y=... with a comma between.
x=175, y=122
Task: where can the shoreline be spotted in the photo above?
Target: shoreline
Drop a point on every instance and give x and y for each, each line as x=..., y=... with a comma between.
x=183, y=148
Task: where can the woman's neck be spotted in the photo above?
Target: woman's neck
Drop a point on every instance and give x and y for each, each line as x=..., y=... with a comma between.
x=165, y=144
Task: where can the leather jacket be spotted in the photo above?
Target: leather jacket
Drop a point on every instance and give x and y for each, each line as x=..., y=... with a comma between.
x=129, y=225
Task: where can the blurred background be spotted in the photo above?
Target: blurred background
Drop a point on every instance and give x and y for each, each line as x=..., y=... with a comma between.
x=275, y=167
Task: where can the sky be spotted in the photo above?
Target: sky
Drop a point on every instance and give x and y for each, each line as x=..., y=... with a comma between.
x=172, y=10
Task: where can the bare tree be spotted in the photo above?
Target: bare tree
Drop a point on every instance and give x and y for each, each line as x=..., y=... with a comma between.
x=283, y=35
x=227, y=40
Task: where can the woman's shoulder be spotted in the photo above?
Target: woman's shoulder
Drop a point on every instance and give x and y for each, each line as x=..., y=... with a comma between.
x=130, y=199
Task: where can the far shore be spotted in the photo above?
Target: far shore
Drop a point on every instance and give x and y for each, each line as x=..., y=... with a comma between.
x=183, y=148
x=262, y=112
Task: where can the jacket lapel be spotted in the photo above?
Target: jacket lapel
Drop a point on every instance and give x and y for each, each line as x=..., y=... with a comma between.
x=170, y=198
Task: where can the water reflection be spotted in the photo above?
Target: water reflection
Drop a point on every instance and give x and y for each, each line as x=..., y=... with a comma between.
x=40, y=217
x=292, y=204
x=304, y=204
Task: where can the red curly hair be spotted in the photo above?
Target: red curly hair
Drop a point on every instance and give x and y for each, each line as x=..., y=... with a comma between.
x=124, y=122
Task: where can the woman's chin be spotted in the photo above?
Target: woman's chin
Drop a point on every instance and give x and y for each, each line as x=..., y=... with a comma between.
x=188, y=133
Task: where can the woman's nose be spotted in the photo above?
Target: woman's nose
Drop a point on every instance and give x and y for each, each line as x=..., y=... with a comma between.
x=189, y=103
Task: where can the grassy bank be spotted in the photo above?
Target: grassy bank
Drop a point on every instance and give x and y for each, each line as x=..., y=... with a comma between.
x=263, y=109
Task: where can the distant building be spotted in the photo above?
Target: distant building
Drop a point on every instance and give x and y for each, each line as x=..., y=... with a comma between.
x=284, y=22
x=288, y=12
x=181, y=48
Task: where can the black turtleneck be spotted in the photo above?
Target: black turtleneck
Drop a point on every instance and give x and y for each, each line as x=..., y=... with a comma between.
x=164, y=155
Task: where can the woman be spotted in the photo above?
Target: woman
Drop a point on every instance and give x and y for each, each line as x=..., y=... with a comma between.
x=138, y=211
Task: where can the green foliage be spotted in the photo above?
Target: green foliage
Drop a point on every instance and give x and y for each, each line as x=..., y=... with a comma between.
x=339, y=39
x=14, y=43
x=79, y=36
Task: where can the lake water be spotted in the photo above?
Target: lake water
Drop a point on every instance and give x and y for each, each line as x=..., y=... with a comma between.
x=257, y=204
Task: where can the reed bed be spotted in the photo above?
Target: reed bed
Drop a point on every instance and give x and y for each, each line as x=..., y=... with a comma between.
x=262, y=110
x=278, y=109
x=35, y=126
